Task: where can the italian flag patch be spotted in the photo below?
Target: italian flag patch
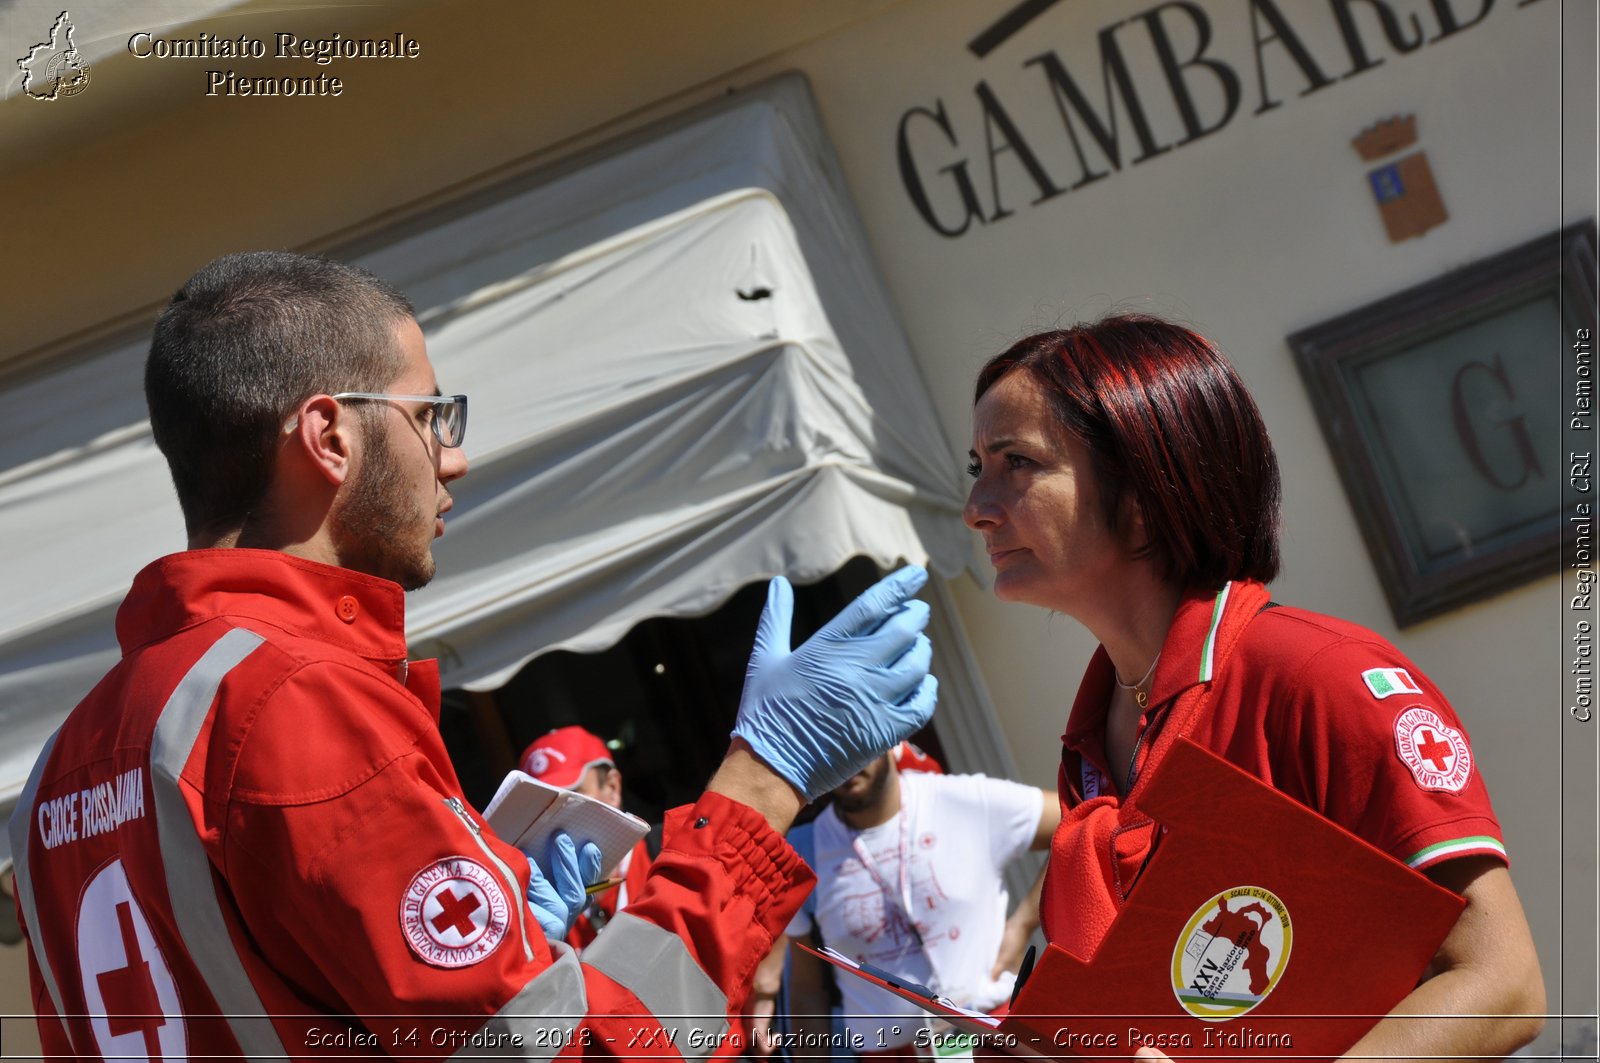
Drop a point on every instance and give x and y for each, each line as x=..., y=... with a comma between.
x=1387, y=682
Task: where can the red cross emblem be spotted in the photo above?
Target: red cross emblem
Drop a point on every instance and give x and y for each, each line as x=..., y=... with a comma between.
x=454, y=912
x=1435, y=752
x=130, y=992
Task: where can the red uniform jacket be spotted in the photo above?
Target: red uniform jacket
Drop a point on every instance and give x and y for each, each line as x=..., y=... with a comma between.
x=248, y=840
x=603, y=908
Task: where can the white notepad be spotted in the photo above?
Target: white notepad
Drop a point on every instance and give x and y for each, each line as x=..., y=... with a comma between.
x=525, y=812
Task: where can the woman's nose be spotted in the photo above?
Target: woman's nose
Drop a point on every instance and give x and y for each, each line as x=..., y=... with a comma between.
x=979, y=511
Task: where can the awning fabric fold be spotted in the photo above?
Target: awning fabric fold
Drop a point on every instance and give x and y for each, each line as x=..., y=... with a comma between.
x=684, y=377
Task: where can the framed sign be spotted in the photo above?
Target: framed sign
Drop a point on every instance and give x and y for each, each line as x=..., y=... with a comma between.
x=1442, y=406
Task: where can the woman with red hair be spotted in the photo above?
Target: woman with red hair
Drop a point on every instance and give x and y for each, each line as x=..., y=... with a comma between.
x=1123, y=476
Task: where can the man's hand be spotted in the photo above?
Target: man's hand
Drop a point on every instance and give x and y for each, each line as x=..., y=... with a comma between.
x=762, y=1006
x=759, y=1014
x=1013, y=946
x=819, y=714
x=1025, y=920
x=557, y=898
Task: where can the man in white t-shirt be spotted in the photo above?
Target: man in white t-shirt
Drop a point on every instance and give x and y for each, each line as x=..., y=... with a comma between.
x=909, y=878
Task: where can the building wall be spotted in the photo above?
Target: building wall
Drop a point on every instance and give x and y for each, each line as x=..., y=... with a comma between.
x=1251, y=232
x=1262, y=228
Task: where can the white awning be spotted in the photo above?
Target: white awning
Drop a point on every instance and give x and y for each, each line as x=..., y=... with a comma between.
x=666, y=416
x=684, y=374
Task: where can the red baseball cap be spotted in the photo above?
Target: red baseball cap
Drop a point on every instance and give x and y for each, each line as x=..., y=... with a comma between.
x=561, y=757
x=911, y=757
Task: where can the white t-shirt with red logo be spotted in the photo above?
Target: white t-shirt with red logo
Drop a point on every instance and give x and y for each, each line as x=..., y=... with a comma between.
x=944, y=853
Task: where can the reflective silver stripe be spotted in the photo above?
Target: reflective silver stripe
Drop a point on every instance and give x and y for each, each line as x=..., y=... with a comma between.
x=194, y=900
x=542, y=1018
x=654, y=965
x=21, y=831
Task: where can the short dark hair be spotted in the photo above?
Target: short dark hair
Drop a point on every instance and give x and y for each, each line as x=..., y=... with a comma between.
x=1166, y=419
x=243, y=342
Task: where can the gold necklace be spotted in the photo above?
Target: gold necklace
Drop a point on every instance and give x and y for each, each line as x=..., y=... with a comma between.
x=1140, y=695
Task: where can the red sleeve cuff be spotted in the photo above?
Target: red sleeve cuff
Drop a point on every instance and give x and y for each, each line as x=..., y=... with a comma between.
x=732, y=833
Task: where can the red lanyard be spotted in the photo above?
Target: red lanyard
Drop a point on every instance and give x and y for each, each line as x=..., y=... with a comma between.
x=901, y=902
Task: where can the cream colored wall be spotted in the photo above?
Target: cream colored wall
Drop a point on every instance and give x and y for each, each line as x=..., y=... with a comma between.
x=19, y=1035
x=140, y=178
x=1254, y=232
x=18, y=1032
x=1264, y=228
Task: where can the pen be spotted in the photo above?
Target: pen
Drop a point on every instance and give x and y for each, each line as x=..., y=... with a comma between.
x=601, y=886
x=1023, y=972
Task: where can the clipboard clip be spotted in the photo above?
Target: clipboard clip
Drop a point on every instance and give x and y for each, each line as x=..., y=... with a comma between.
x=898, y=981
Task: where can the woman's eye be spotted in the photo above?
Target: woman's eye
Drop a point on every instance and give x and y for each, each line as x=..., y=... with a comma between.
x=1016, y=461
x=973, y=468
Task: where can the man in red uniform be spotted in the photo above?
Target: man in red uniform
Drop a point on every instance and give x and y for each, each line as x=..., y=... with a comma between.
x=574, y=759
x=248, y=840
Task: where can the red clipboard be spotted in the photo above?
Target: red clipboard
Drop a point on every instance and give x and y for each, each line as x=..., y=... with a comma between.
x=1258, y=930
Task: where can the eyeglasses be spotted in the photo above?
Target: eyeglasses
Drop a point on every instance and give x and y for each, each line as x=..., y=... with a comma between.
x=449, y=412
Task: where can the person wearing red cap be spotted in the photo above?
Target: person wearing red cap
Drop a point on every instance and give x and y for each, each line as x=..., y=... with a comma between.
x=908, y=756
x=574, y=759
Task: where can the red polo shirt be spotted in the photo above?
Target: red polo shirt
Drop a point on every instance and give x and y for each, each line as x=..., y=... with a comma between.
x=1323, y=710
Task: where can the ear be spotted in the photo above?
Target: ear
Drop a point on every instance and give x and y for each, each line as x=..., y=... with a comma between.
x=325, y=435
x=612, y=787
x=1131, y=521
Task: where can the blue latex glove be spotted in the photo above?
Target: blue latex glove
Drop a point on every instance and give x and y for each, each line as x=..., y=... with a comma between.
x=557, y=898
x=819, y=714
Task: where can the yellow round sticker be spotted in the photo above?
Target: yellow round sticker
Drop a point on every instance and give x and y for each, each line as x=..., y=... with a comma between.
x=1231, y=954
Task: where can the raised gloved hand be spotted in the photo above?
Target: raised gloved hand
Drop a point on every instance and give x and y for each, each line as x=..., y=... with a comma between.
x=819, y=714
x=557, y=897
